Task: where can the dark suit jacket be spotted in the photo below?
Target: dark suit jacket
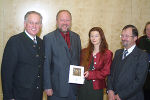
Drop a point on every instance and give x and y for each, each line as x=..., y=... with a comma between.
x=21, y=64
x=58, y=59
x=127, y=76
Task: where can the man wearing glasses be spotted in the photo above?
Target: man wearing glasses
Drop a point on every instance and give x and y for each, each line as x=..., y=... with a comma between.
x=129, y=69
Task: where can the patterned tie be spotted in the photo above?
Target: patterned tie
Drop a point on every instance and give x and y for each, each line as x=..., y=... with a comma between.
x=34, y=40
x=124, y=54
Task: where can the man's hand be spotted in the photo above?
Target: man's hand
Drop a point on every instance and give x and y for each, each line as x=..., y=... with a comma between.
x=111, y=95
x=49, y=92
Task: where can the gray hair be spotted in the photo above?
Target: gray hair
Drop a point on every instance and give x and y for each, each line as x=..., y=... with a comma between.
x=63, y=11
x=32, y=12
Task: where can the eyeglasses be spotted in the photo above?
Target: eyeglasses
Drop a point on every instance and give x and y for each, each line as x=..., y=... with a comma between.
x=125, y=36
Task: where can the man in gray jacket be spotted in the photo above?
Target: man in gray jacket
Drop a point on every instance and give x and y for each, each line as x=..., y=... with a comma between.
x=62, y=49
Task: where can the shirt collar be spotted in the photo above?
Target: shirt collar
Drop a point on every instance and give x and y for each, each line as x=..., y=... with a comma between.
x=67, y=33
x=130, y=49
x=31, y=37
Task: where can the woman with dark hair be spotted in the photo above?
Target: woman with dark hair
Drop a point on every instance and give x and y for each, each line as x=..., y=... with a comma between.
x=96, y=59
x=144, y=43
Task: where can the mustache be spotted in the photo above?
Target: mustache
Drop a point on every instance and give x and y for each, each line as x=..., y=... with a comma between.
x=64, y=25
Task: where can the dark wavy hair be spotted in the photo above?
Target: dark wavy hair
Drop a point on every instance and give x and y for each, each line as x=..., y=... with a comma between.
x=103, y=46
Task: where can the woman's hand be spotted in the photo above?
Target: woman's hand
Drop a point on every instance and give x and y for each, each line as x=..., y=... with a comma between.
x=86, y=74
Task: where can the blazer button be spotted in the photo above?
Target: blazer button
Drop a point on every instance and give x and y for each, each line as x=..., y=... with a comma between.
x=94, y=56
x=93, y=68
x=94, y=62
x=37, y=87
x=37, y=55
x=34, y=46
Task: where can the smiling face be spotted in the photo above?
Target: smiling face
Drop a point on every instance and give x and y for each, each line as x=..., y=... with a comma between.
x=95, y=38
x=33, y=24
x=127, y=38
x=64, y=21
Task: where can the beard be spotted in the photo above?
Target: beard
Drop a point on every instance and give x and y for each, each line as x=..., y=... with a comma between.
x=64, y=31
x=125, y=43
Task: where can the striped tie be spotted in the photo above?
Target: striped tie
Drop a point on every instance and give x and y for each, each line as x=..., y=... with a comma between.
x=124, y=54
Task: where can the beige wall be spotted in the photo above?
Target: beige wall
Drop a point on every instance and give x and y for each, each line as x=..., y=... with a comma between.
x=111, y=15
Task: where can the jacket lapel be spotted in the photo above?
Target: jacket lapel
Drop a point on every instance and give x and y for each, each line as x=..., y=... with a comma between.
x=128, y=60
x=117, y=64
x=71, y=43
x=63, y=43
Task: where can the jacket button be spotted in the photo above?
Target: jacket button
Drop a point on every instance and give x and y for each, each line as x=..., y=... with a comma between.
x=34, y=46
x=93, y=68
x=94, y=62
x=37, y=87
x=37, y=55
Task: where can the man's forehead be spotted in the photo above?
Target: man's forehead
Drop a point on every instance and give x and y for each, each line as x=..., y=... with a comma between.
x=64, y=14
x=127, y=31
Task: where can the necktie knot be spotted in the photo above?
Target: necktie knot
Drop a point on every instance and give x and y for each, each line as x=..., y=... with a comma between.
x=124, y=54
x=34, y=40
